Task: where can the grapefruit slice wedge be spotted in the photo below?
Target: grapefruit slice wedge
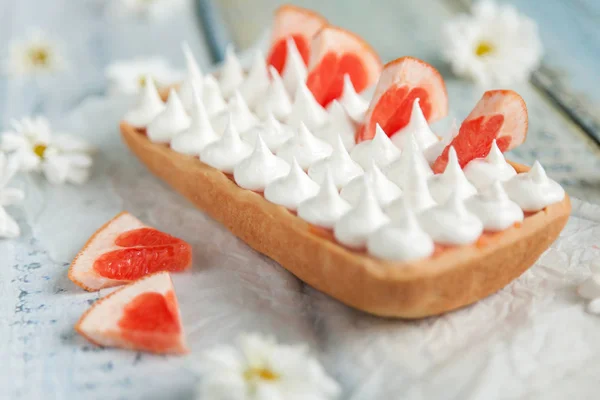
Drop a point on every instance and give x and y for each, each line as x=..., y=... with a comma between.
x=297, y=23
x=402, y=81
x=336, y=52
x=143, y=315
x=500, y=115
x=125, y=249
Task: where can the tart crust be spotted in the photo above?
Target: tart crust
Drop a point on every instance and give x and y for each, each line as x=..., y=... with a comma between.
x=454, y=278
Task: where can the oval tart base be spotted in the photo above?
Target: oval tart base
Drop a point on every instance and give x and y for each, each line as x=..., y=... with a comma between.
x=451, y=279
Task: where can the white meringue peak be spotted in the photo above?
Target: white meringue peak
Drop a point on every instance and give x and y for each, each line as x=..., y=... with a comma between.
x=260, y=168
x=193, y=78
x=452, y=180
x=200, y=132
x=533, y=190
x=272, y=131
x=148, y=106
x=410, y=158
x=342, y=167
x=326, y=207
x=495, y=210
x=275, y=100
x=294, y=71
x=292, y=189
x=451, y=223
x=483, y=172
x=305, y=147
x=227, y=152
x=353, y=103
x=212, y=97
x=418, y=127
x=402, y=240
x=385, y=191
x=254, y=87
x=171, y=121
x=380, y=148
x=355, y=226
x=415, y=192
x=435, y=150
x=231, y=73
x=339, y=124
x=242, y=117
x=306, y=109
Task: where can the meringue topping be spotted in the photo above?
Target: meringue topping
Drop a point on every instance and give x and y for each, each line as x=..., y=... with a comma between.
x=495, y=210
x=483, y=172
x=275, y=100
x=193, y=77
x=451, y=223
x=418, y=126
x=380, y=148
x=212, y=97
x=149, y=105
x=242, y=117
x=533, y=190
x=306, y=109
x=260, y=168
x=171, y=121
x=342, y=167
x=231, y=73
x=435, y=150
x=353, y=103
x=339, y=124
x=453, y=180
x=410, y=158
x=385, y=191
x=326, y=207
x=403, y=240
x=257, y=81
x=227, y=152
x=272, y=131
x=355, y=226
x=305, y=147
x=294, y=71
x=416, y=195
x=292, y=189
x=199, y=134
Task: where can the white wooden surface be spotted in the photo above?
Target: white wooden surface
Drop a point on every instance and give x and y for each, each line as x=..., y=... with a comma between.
x=531, y=340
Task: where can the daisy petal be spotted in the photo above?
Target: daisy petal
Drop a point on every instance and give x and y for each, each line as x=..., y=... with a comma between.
x=56, y=169
x=12, y=141
x=78, y=176
x=8, y=226
x=70, y=143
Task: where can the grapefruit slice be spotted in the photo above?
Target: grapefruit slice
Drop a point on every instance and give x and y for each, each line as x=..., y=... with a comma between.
x=336, y=52
x=143, y=315
x=125, y=249
x=500, y=115
x=297, y=23
x=401, y=82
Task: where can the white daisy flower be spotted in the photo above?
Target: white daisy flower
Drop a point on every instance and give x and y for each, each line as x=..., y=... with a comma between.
x=34, y=55
x=149, y=9
x=62, y=158
x=494, y=45
x=8, y=196
x=262, y=369
x=129, y=77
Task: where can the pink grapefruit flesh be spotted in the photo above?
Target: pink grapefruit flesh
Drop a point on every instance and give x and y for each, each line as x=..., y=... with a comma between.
x=500, y=115
x=401, y=82
x=298, y=24
x=336, y=52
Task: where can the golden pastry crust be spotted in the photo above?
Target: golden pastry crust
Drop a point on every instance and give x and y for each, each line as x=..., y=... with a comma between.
x=452, y=279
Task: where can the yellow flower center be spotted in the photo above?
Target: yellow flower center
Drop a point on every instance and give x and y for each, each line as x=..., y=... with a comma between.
x=39, y=56
x=39, y=150
x=142, y=81
x=484, y=48
x=264, y=374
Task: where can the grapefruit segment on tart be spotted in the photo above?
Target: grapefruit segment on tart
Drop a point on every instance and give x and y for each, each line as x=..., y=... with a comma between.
x=298, y=24
x=143, y=315
x=401, y=82
x=125, y=249
x=336, y=52
x=500, y=115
